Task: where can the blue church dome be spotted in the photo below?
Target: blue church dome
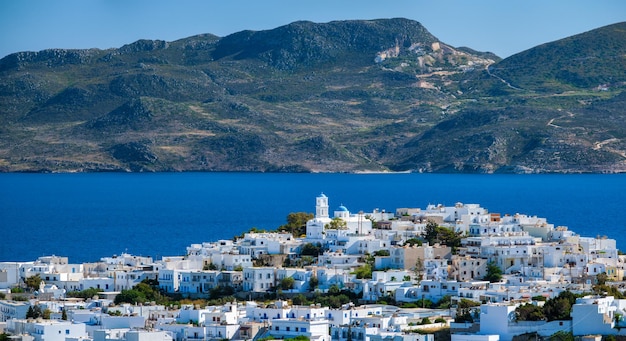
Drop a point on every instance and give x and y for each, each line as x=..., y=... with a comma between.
x=342, y=209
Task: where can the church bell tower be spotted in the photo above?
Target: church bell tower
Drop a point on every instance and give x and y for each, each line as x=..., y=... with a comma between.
x=321, y=206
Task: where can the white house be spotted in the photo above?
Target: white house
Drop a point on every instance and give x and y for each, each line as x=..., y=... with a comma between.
x=9, y=274
x=596, y=315
x=259, y=279
x=13, y=310
x=499, y=319
x=313, y=329
x=48, y=330
x=195, y=282
x=126, y=334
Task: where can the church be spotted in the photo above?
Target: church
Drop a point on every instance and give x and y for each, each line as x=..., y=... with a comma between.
x=319, y=228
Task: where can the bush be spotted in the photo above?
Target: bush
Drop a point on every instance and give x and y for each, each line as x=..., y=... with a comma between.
x=87, y=293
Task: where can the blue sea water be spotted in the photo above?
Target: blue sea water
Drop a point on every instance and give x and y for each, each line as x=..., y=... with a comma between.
x=92, y=215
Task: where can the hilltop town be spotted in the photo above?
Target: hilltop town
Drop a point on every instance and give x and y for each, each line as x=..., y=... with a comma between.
x=452, y=272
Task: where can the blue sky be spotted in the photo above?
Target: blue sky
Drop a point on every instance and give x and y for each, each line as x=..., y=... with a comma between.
x=504, y=27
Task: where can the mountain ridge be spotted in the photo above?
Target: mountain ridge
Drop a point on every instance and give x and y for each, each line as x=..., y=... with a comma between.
x=344, y=96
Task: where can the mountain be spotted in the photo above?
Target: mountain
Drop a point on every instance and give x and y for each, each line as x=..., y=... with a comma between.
x=343, y=96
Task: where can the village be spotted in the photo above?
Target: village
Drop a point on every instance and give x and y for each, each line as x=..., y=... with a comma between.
x=402, y=275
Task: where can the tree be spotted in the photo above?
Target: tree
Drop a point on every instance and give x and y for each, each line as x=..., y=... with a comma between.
x=299, y=300
x=363, y=271
x=287, y=283
x=434, y=233
x=296, y=223
x=63, y=315
x=30, y=313
x=430, y=232
x=562, y=336
x=334, y=290
x=337, y=224
x=413, y=241
x=560, y=307
x=381, y=253
x=464, y=310
x=87, y=293
x=310, y=249
x=33, y=282
x=131, y=296
x=34, y=312
x=444, y=302
x=313, y=283
x=210, y=266
x=602, y=278
x=494, y=273
x=419, y=269
x=529, y=312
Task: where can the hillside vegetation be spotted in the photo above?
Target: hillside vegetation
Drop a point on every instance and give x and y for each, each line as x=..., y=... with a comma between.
x=345, y=96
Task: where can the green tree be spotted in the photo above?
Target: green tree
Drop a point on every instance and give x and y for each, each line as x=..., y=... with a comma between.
x=221, y=291
x=444, y=302
x=5, y=337
x=602, y=278
x=299, y=300
x=418, y=269
x=560, y=307
x=64, y=315
x=313, y=283
x=381, y=253
x=430, y=232
x=33, y=282
x=494, y=273
x=34, y=312
x=87, y=293
x=46, y=314
x=601, y=289
x=363, y=271
x=296, y=223
x=334, y=290
x=434, y=233
x=464, y=311
x=413, y=241
x=30, y=313
x=529, y=312
x=287, y=283
x=131, y=296
x=310, y=249
x=210, y=266
x=337, y=224
x=562, y=336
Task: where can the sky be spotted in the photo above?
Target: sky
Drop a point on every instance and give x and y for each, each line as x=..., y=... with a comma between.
x=504, y=27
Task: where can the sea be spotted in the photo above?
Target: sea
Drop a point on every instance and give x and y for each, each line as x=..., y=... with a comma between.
x=87, y=216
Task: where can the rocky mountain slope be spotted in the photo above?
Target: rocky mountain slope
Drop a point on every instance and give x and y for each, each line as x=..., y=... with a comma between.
x=342, y=96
